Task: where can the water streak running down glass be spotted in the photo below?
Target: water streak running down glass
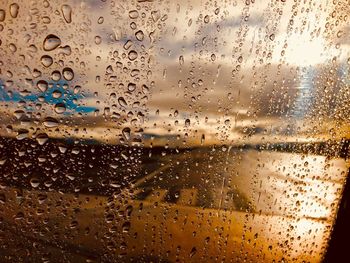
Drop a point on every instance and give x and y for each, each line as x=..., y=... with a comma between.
x=172, y=131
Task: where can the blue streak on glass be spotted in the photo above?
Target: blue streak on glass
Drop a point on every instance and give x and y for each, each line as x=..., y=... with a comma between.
x=68, y=97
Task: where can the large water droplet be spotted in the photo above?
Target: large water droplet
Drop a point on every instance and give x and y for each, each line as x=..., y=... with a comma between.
x=46, y=61
x=51, y=42
x=14, y=8
x=67, y=13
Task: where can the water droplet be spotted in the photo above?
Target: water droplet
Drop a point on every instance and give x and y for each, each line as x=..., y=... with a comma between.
x=34, y=182
x=126, y=133
x=193, y=252
x=67, y=13
x=181, y=60
x=42, y=138
x=122, y=102
x=126, y=227
x=46, y=61
x=56, y=75
x=127, y=45
x=51, y=42
x=98, y=40
x=133, y=14
x=56, y=94
x=206, y=19
x=60, y=108
x=14, y=8
x=62, y=148
x=100, y=20
x=22, y=134
x=2, y=15
x=50, y=122
x=272, y=37
x=155, y=15
x=187, y=122
x=13, y=47
x=132, y=55
x=139, y=35
x=2, y=198
x=68, y=74
x=131, y=87
x=213, y=57
x=42, y=85
x=18, y=114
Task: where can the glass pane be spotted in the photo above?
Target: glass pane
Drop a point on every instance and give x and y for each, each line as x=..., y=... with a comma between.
x=172, y=131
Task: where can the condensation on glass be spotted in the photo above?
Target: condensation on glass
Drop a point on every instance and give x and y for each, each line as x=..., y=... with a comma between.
x=172, y=131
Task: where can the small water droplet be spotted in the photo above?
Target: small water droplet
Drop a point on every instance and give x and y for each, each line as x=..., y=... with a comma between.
x=51, y=42
x=122, y=102
x=2, y=15
x=42, y=85
x=67, y=13
x=56, y=94
x=139, y=35
x=14, y=8
x=181, y=60
x=132, y=55
x=68, y=74
x=131, y=87
x=60, y=108
x=206, y=19
x=272, y=37
x=50, y=122
x=46, y=61
x=187, y=123
x=155, y=15
x=42, y=138
x=193, y=252
x=133, y=14
x=56, y=75
x=126, y=227
x=127, y=45
x=18, y=114
x=22, y=134
x=126, y=133
x=2, y=198
x=34, y=182
x=100, y=20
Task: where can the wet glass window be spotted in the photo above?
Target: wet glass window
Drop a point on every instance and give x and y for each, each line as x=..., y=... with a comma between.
x=174, y=131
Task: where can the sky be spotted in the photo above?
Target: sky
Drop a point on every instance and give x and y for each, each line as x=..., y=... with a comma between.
x=213, y=62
